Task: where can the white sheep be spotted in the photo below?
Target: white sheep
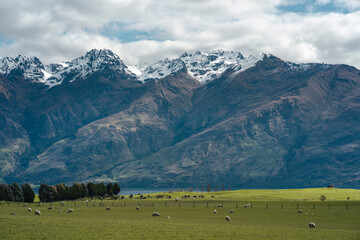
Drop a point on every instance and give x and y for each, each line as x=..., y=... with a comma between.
x=215, y=212
x=168, y=217
x=29, y=209
x=300, y=211
x=49, y=208
x=108, y=209
x=37, y=212
x=70, y=210
x=59, y=211
x=227, y=218
x=156, y=214
x=137, y=208
x=312, y=225
x=231, y=211
x=13, y=213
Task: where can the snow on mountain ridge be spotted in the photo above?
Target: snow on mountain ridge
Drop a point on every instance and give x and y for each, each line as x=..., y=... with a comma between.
x=203, y=66
x=81, y=67
x=159, y=69
x=29, y=67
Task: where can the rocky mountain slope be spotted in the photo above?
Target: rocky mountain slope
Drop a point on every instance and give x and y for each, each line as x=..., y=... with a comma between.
x=206, y=117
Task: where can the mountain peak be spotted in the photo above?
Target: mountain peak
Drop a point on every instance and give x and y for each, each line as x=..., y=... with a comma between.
x=101, y=53
x=204, y=66
x=95, y=60
x=27, y=67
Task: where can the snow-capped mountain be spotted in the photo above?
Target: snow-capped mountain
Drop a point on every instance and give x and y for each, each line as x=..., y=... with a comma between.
x=158, y=70
x=54, y=74
x=203, y=66
x=28, y=67
x=275, y=124
x=93, y=61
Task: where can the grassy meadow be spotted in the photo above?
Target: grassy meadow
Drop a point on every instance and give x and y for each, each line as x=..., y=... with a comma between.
x=273, y=215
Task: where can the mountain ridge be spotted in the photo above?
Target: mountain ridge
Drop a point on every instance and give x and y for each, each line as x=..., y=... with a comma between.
x=273, y=124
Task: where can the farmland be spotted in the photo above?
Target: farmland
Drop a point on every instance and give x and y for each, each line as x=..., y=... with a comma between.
x=272, y=215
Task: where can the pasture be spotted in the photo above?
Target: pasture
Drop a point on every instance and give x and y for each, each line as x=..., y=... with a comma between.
x=269, y=217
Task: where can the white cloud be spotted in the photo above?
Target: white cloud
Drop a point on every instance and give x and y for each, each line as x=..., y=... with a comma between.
x=67, y=29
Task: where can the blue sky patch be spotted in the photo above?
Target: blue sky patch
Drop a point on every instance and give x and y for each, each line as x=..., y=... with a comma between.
x=120, y=31
x=309, y=6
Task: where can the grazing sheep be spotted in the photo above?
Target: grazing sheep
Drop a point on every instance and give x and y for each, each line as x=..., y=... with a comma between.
x=312, y=225
x=13, y=213
x=193, y=199
x=62, y=203
x=137, y=208
x=59, y=211
x=219, y=205
x=247, y=205
x=176, y=199
x=29, y=209
x=37, y=212
x=299, y=211
x=108, y=209
x=70, y=210
x=231, y=211
x=49, y=208
x=227, y=218
x=156, y=214
x=168, y=217
x=215, y=212
x=24, y=205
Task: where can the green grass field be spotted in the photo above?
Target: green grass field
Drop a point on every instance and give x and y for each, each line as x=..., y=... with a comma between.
x=273, y=216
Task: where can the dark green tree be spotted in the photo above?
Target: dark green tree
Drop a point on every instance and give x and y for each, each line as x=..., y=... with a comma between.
x=62, y=191
x=47, y=193
x=91, y=189
x=110, y=189
x=75, y=191
x=28, y=193
x=53, y=194
x=116, y=189
x=101, y=189
x=84, y=190
x=8, y=194
x=17, y=193
x=2, y=192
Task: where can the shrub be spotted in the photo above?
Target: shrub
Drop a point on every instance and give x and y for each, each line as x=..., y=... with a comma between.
x=322, y=197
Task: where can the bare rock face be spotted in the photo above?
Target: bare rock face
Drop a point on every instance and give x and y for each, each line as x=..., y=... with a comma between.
x=257, y=125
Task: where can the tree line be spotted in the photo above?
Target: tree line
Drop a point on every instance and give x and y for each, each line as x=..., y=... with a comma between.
x=13, y=192
x=59, y=192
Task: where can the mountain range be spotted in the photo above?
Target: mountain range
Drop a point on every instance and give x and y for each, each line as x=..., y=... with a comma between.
x=212, y=117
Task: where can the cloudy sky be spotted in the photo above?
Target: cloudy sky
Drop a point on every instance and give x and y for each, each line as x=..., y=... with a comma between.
x=148, y=30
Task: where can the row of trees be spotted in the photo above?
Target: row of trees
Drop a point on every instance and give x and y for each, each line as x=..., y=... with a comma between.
x=14, y=192
x=61, y=192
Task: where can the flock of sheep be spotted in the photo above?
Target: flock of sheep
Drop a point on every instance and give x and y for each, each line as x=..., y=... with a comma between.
x=154, y=214
x=38, y=213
